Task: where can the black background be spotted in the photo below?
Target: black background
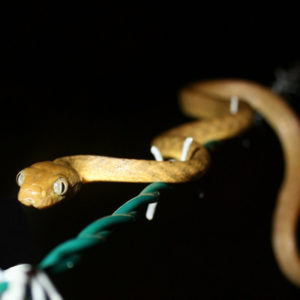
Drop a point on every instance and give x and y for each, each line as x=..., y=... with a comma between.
x=84, y=78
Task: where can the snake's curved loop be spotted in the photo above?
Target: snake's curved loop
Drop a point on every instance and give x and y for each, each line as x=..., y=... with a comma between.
x=287, y=127
x=46, y=183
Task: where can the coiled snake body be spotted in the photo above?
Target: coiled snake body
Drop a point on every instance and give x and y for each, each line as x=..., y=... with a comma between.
x=45, y=183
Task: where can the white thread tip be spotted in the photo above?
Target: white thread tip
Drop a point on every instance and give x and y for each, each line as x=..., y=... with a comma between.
x=156, y=153
x=185, y=149
x=234, y=105
x=151, y=208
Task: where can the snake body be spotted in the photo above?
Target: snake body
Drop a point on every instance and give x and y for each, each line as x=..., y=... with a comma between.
x=45, y=183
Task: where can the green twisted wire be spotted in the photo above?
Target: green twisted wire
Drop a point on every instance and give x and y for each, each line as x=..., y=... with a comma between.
x=67, y=254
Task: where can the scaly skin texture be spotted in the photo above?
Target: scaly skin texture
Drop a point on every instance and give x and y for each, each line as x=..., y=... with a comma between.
x=207, y=100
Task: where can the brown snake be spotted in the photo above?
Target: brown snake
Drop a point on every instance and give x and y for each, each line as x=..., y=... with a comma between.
x=45, y=183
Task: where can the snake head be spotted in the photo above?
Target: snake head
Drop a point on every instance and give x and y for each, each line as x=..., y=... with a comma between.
x=46, y=183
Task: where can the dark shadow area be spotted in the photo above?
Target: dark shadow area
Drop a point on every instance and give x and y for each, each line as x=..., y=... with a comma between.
x=87, y=79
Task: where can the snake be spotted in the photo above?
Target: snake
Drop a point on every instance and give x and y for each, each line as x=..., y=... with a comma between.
x=46, y=183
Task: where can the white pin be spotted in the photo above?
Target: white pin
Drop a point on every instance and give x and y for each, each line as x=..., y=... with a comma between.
x=234, y=105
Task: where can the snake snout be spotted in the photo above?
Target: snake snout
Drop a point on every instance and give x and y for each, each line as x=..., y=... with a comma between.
x=31, y=196
x=28, y=201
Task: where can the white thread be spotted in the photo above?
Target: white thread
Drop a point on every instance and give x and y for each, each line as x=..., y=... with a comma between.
x=151, y=208
x=156, y=153
x=48, y=286
x=185, y=149
x=19, y=278
x=36, y=290
x=234, y=105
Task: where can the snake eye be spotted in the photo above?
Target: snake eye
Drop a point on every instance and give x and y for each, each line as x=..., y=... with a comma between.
x=60, y=186
x=20, y=178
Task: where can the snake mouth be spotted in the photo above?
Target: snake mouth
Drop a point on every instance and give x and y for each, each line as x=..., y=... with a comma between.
x=27, y=201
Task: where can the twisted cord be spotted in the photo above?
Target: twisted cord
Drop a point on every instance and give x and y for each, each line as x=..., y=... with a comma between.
x=66, y=255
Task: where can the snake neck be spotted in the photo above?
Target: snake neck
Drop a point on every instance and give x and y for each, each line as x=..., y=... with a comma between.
x=94, y=168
